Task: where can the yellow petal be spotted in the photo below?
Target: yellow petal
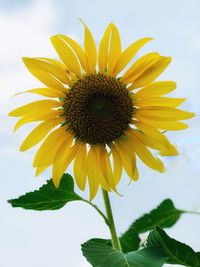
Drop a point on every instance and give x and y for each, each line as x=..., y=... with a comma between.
x=115, y=48
x=66, y=55
x=103, y=50
x=169, y=151
x=131, y=153
x=47, y=151
x=164, y=113
x=60, y=65
x=153, y=133
x=151, y=73
x=42, y=75
x=156, y=89
x=159, y=101
x=39, y=170
x=48, y=92
x=101, y=178
x=39, y=133
x=136, y=173
x=146, y=140
x=139, y=66
x=145, y=155
x=37, y=117
x=78, y=50
x=127, y=55
x=128, y=160
x=35, y=106
x=80, y=170
x=166, y=149
x=90, y=49
x=117, y=164
x=162, y=124
x=49, y=67
x=56, y=62
x=63, y=158
x=106, y=167
x=91, y=171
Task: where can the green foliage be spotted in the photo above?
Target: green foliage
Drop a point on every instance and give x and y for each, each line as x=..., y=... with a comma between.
x=101, y=255
x=129, y=242
x=160, y=248
x=165, y=215
x=48, y=197
x=99, y=252
x=175, y=251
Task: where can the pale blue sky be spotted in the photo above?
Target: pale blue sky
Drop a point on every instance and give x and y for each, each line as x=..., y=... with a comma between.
x=52, y=239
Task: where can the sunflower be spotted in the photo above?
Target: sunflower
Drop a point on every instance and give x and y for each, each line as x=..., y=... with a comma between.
x=102, y=113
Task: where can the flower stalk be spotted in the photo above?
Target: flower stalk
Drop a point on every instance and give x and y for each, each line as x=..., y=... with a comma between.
x=115, y=239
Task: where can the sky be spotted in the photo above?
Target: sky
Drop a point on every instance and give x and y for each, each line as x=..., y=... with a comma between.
x=30, y=238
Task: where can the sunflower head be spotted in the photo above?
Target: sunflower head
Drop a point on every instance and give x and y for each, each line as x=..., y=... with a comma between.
x=98, y=108
x=98, y=113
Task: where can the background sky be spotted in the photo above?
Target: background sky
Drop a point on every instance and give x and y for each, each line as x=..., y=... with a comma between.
x=29, y=238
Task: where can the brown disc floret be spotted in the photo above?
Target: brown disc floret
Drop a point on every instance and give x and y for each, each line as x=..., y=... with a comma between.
x=98, y=109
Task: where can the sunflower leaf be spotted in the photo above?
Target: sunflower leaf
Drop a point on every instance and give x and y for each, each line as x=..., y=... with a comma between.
x=129, y=242
x=165, y=216
x=48, y=197
x=100, y=254
x=175, y=251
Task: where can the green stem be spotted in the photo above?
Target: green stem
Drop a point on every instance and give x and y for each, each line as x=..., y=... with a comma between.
x=192, y=212
x=98, y=210
x=115, y=240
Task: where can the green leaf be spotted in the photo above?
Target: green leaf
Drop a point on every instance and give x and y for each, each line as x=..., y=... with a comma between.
x=165, y=215
x=129, y=242
x=176, y=252
x=48, y=197
x=101, y=241
x=101, y=255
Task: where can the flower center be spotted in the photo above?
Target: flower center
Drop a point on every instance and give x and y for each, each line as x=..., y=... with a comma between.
x=98, y=109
